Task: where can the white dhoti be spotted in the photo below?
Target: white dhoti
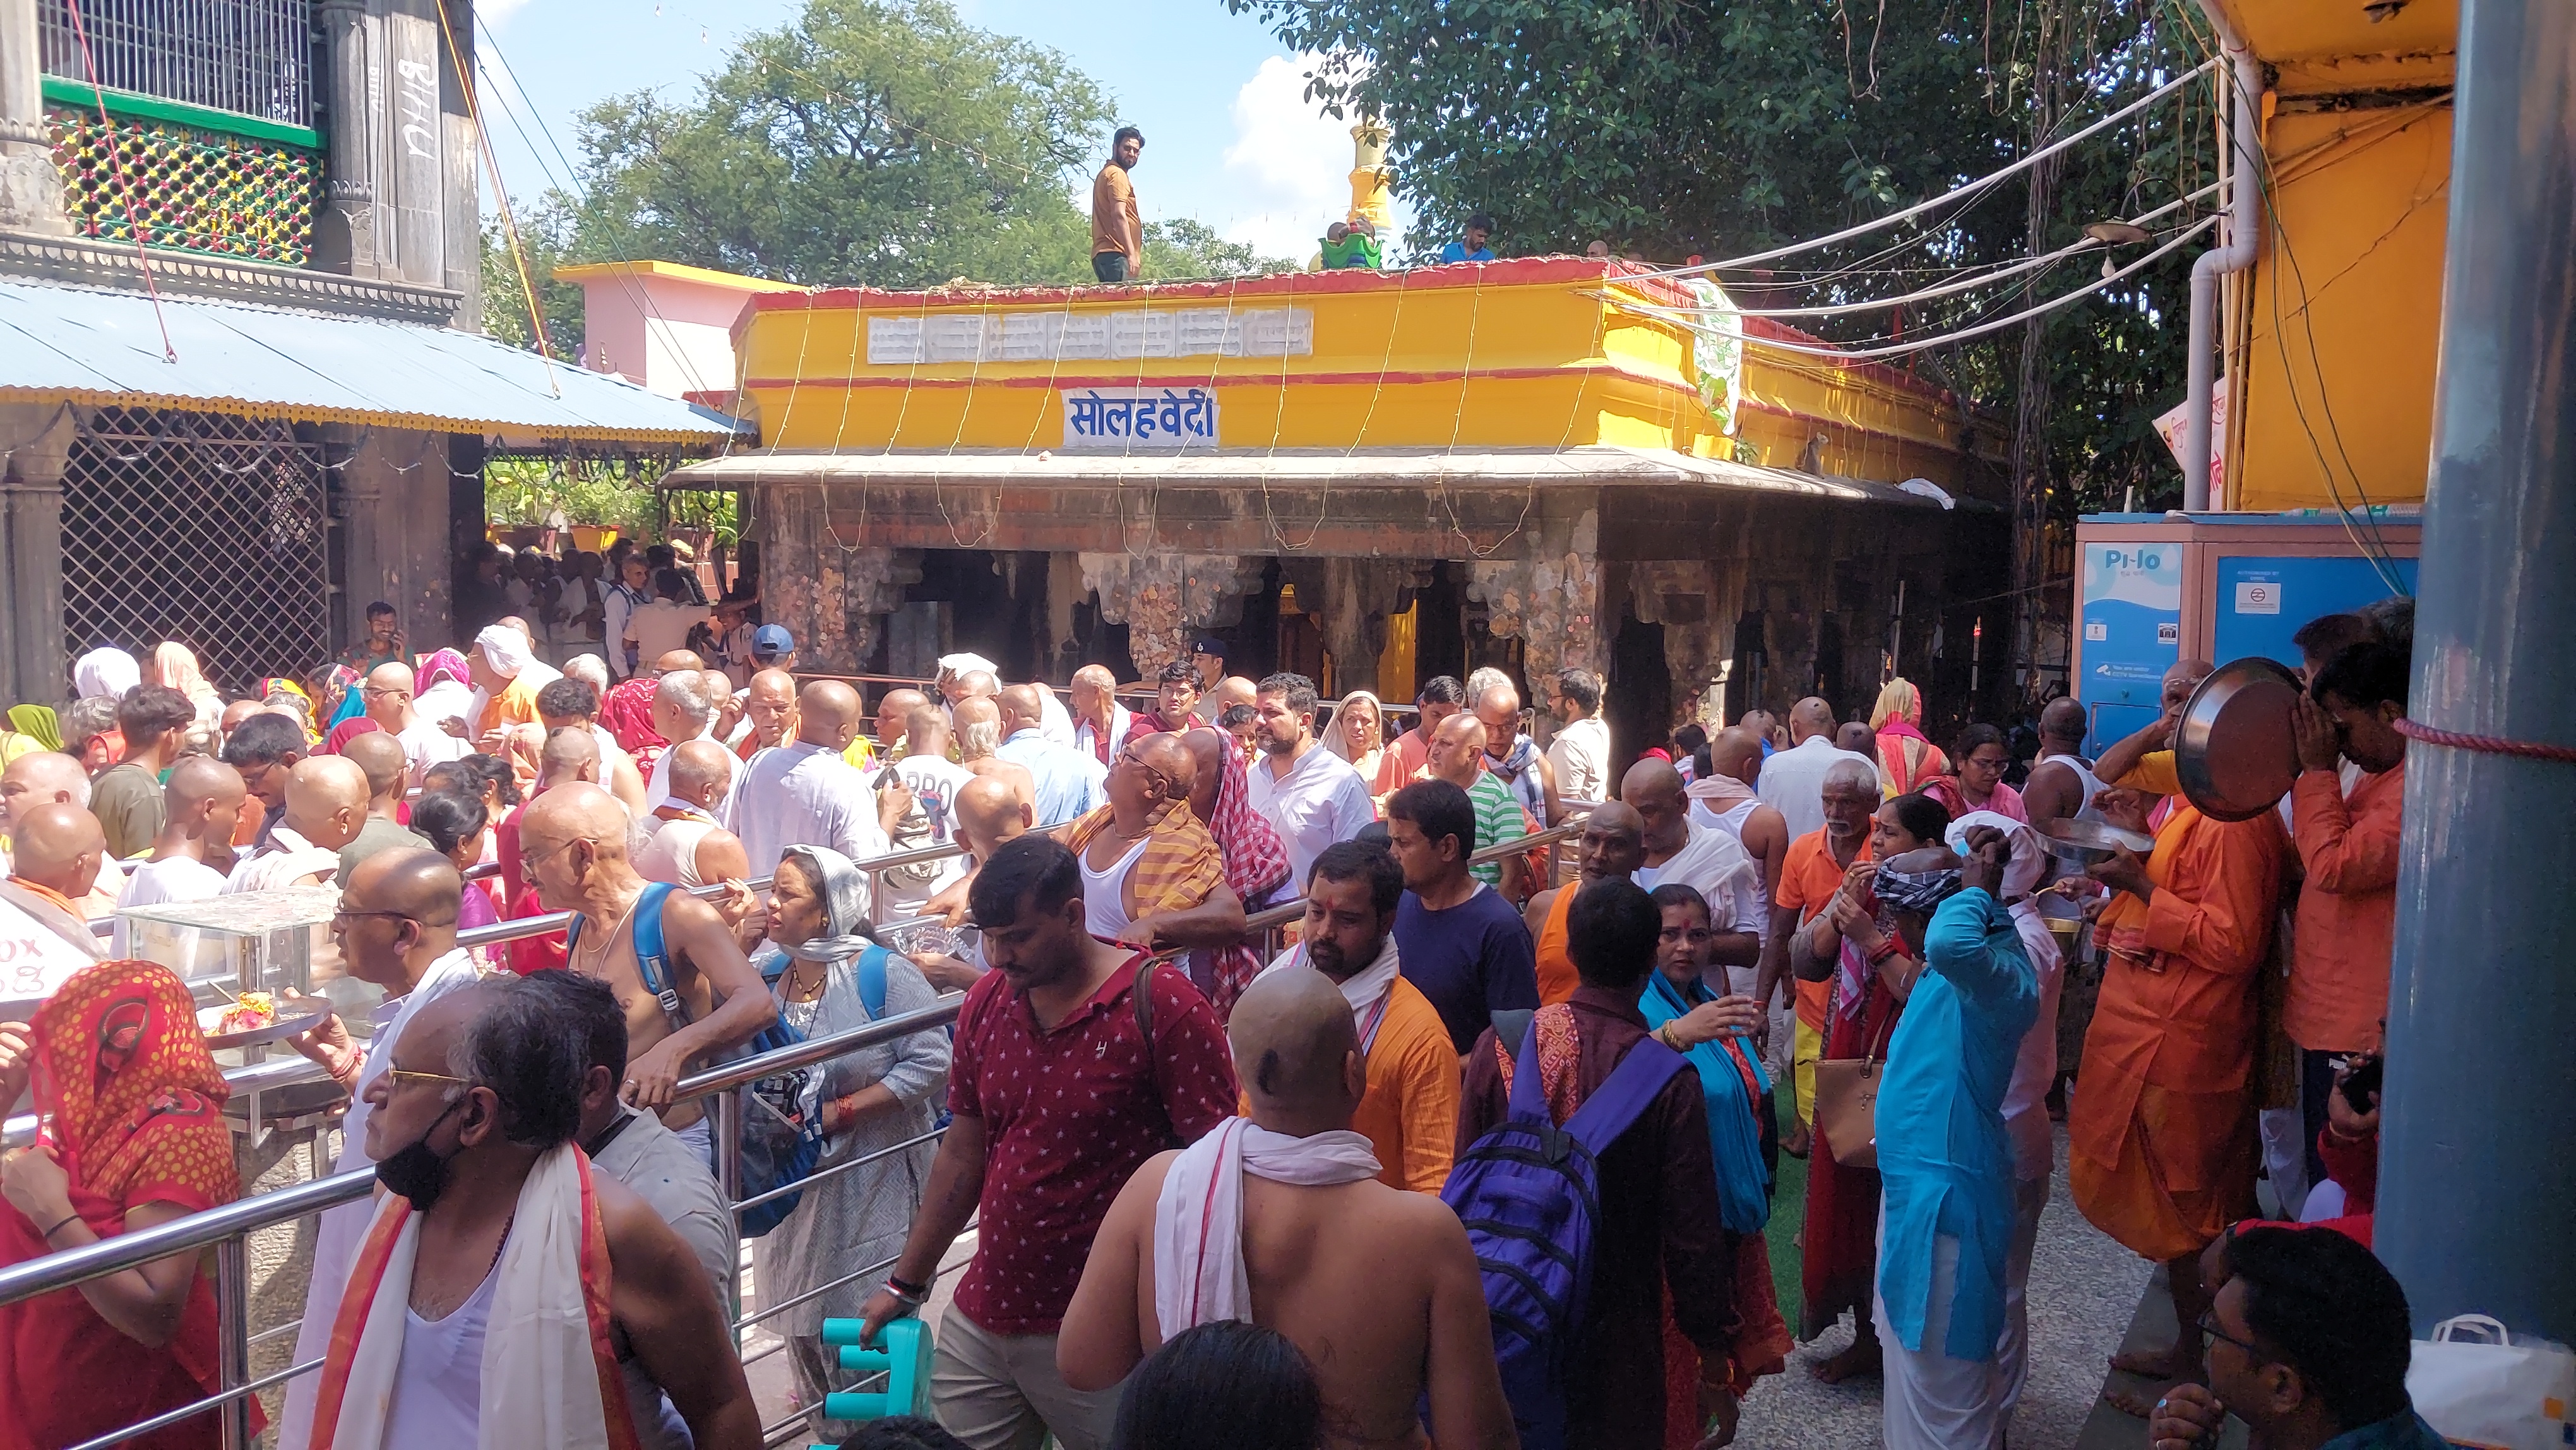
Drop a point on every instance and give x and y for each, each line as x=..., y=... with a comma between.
x=2012, y=1349
x=1934, y=1402
x=2285, y=1156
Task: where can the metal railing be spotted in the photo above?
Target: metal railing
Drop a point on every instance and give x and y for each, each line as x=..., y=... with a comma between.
x=250, y=57
x=226, y=1229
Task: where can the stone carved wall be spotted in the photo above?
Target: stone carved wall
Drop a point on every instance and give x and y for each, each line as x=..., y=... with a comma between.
x=1697, y=602
x=1162, y=598
x=834, y=599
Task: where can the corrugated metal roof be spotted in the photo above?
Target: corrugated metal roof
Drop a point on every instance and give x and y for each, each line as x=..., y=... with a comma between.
x=105, y=348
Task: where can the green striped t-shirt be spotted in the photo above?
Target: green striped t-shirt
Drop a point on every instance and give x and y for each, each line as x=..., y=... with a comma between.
x=1498, y=819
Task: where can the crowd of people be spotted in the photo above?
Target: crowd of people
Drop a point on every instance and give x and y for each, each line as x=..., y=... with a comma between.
x=1487, y=1153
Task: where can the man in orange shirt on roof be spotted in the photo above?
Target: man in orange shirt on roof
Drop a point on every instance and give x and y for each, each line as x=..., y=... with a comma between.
x=1117, y=237
x=1409, y=1110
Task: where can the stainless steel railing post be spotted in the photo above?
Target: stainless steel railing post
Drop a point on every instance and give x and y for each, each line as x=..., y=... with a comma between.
x=232, y=1337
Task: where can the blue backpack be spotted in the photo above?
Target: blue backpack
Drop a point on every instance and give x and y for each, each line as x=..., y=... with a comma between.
x=1529, y=1195
x=782, y=1116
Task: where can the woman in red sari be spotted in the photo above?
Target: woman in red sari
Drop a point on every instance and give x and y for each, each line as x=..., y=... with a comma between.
x=1906, y=758
x=1853, y=939
x=133, y=1136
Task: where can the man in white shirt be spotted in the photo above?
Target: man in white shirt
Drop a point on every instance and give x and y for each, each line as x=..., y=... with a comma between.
x=1580, y=753
x=684, y=709
x=397, y=931
x=1679, y=851
x=1793, y=780
x=930, y=820
x=1100, y=723
x=1068, y=781
x=201, y=805
x=1310, y=796
x=662, y=624
x=628, y=593
x=805, y=793
x=387, y=691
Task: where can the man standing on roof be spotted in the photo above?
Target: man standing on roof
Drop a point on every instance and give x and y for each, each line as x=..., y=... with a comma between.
x=1117, y=237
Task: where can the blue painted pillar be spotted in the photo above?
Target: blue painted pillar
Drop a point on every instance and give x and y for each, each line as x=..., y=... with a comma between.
x=2477, y=1187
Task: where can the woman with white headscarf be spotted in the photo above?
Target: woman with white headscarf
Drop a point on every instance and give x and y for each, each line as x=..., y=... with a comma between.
x=175, y=666
x=106, y=674
x=1357, y=732
x=873, y=1099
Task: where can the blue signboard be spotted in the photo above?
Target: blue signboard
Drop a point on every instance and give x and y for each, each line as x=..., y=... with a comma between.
x=2262, y=601
x=2132, y=621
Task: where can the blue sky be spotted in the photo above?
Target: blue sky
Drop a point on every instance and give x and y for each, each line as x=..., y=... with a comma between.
x=1228, y=138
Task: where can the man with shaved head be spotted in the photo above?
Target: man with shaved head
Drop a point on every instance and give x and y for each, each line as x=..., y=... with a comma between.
x=1855, y=736
x=990, y=815
x=894, y=720
x=1458, y=757
x=200, y=807
x=768, y=713
x=1100, y=723
x=39, y=778
x=1378, y=1286
x=396, y=928
x=1610, y=848
x=807, y=794
x=1067, y=780
x=2062, y=783
x=57, y=853
x=326, y=804
x=1224, y=695
x=705, y=997
x=1682, y=852
x=387, y=692
x=929, y=781
x=1723, y=796
x=1792, y=780
x=388, y=768
x=689, y=847
x=1513, y=758
x=1151, y=874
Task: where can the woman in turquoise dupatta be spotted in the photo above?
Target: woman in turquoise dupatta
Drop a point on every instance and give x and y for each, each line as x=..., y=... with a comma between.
x=1710, y=1031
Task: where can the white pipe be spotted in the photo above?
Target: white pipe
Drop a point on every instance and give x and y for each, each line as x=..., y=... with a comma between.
x=2242, y=242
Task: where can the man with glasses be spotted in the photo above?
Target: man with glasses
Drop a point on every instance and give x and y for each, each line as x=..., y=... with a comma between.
x=1151, y=874
x=396, y=927
x=387, y=691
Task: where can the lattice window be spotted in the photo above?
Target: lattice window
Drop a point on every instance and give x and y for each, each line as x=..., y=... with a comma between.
x=250, y=57
x=200, y=527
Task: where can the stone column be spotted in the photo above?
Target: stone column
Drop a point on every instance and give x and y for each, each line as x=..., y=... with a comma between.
x=31, y=192
x=38, y=439
x=1551, y=599
x=1162, y=598
x=345, y=235
x=1698, y=603
x=393, y=508
x=834, y=598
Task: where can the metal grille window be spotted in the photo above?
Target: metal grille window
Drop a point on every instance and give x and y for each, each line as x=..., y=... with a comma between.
x=250, y=57
x=203, y=528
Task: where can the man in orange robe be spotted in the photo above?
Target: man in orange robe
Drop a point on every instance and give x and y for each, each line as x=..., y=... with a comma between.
x=1612, y=846
x=2161, y=1131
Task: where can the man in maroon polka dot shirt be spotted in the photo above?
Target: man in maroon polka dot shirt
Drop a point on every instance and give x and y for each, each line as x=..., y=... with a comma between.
x=1059, y=1096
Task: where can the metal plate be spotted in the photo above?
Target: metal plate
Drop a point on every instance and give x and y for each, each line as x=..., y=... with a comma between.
x=2085, y=842
x=285, y=1026
x=2234, y=746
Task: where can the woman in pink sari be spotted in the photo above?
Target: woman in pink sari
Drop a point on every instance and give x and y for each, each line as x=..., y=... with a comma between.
x=1906, y=757
x=1979, y=785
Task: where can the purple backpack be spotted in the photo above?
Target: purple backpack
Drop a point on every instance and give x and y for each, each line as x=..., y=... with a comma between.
x=1529, y=1195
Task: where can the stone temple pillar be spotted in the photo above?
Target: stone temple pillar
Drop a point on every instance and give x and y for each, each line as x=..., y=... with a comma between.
x=345, y=238
x=1551, y=599
x=37, y=439
x=1163, y=598
x=31, y=192
x=833, y=598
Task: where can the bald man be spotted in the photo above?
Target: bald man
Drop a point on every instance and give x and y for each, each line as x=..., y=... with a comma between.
x=1724, y=796
x=1100, y=723
x=200, y=809
x=894, y=720
x=388, y=691
x=44, y=939
x=1458, y=756
x=1611, y=846
x=1767, y=726
x=930, y=782
x=39, y=778
x=397, y=932
x=2062, y=783
x=388, y=769
x=1855, y=736
x=989, y=815
x=326, y=805
x=1793, y=780
x=1514, y=758
x=1152, y=875
x=807, y=794
x=1067, y=781
x=572, y=841
x=1376, y=1285
x=688, y=847
x=768, y=713
x=1682, y=852
x=1227, y=693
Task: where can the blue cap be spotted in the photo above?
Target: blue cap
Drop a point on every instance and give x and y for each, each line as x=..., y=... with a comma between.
x=772, y=640
x=1209, y=644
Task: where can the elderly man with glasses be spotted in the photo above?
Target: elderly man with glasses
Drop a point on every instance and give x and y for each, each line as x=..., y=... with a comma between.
x=396, y=926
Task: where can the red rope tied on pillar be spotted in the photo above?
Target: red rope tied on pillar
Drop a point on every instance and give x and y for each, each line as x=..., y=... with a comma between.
x=2486, y=744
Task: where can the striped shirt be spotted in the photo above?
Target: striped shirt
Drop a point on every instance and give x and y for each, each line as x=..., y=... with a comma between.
x=1498, y=819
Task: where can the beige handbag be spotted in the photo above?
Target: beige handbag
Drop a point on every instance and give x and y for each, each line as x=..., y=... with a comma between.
x=1847, y=1095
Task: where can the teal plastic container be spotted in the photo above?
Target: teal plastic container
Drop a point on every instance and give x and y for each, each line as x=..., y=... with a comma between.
x=904, y=1353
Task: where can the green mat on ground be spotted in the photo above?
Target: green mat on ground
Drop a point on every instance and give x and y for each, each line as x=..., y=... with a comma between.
x=1788, y=1215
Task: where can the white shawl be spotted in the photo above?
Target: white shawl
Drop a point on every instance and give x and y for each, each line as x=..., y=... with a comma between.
x=1366, y=990
x=1199, y=1276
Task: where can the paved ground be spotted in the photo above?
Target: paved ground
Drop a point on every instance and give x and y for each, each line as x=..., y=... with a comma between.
x=2083, y=1291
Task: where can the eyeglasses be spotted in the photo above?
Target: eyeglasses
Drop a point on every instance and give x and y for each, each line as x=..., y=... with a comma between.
x=2209, y=1330
x=398, y=1076
x=1130, y=757
x=528, y=859
x=373, y=693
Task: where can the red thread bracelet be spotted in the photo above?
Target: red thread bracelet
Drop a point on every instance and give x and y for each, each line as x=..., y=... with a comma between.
x=2485, y=744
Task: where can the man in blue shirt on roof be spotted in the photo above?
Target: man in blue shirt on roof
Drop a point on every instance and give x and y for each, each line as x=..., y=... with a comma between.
x=1472, y=248
x=1945, y=1163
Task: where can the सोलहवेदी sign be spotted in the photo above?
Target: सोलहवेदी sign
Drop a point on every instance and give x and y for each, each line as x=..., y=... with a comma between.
x=1139, y=418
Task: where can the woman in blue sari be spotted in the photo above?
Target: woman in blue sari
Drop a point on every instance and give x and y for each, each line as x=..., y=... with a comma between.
x=1743, y=1137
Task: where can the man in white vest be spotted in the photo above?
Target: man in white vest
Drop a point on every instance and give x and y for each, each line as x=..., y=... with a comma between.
x=57, y=851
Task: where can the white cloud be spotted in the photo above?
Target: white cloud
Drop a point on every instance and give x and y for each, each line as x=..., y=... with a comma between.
x=493, y=12
x=1287, y=175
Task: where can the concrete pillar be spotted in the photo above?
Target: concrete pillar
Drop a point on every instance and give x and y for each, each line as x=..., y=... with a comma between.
x=31, y=191
x=2475, y=1176
x=345, y=234
x=38, y=439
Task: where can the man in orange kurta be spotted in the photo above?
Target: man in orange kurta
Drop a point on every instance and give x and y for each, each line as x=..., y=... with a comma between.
x=1409, y=1111
x=1612, y=846
x=1810, y=874
x=2160, y=1134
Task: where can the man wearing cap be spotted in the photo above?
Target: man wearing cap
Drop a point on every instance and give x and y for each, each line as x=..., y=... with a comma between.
x=1207, y=656
x=773, y=648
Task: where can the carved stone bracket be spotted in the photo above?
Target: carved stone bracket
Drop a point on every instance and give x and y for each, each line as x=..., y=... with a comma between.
x=1552, y=603
x=1697, y=602
x=1161, y=598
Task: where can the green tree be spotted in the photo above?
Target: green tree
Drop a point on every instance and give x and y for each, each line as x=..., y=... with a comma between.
x=1184, y=248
